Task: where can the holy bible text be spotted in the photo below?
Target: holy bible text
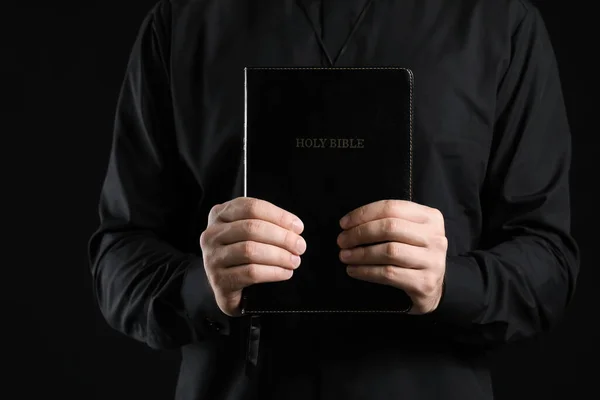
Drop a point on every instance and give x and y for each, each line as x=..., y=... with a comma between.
x=330, y=143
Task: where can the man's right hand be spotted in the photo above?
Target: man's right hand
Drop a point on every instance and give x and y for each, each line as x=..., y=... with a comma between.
x=249, y=241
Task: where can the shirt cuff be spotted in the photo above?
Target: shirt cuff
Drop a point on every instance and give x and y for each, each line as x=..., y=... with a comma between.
x=462, y=301
x=200, y=304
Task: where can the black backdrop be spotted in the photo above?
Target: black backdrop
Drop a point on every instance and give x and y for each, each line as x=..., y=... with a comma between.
x=62, y=68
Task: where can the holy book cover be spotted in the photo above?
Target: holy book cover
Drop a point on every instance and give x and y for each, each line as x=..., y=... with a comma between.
x=321, y=142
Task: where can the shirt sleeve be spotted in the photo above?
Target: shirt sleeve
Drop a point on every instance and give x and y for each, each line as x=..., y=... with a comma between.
x=148, y=276
x=520, y=281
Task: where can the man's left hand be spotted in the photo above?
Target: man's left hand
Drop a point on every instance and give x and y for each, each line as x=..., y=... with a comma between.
x=404, y=245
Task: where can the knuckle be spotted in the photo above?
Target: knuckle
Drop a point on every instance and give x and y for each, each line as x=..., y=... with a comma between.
x=207, y=256
x=251, y=207
x=426, y=285
x=284, y=258
x=251, y=227
x=436, y=216
x=290, y=239
x=388, y=207
x=435, y=212
x=208, y=270
x=391, y=250
x=358, y=233
x=248, y=250
x=389, y=272
x=282, y=218
x=361, y=213
x=439, y=242
x=209, y=264
x=253, y=273
x=224, y=209
x=213, y=263
x=215, y=279
x=207, y=237
x=390, y=225
x=214, y=212
x=443, y=242
x=203, y=240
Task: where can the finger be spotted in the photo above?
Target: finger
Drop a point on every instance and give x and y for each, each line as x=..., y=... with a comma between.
x=389, y=253
x=385, y=230
x=403, y=209
x=251, y=208
x=250, y=252
x=390, y=275
x=260, y=231
x=237, y=278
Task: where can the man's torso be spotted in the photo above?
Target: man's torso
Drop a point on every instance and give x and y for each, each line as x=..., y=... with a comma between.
x=457, y=51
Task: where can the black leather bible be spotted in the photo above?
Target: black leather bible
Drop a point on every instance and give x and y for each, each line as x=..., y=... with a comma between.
x=320, y=142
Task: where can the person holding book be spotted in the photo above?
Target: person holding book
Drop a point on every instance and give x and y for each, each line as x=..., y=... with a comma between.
x=483, y=249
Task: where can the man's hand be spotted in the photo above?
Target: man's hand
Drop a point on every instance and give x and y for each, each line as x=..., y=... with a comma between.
x=249, y=241
x=412, y=256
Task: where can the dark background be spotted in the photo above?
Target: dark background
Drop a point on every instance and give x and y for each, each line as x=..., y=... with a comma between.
x=62, y=69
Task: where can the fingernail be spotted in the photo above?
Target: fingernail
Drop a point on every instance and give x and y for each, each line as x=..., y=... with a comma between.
x=345, y=253
x=301, y=245
x=344, y=221
x=298, y=225
x=295, y=260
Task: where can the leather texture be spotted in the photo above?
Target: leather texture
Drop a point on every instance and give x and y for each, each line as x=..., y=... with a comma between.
x=319, y=143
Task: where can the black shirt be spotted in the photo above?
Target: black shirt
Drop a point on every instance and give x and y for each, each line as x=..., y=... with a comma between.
x=492, y=151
